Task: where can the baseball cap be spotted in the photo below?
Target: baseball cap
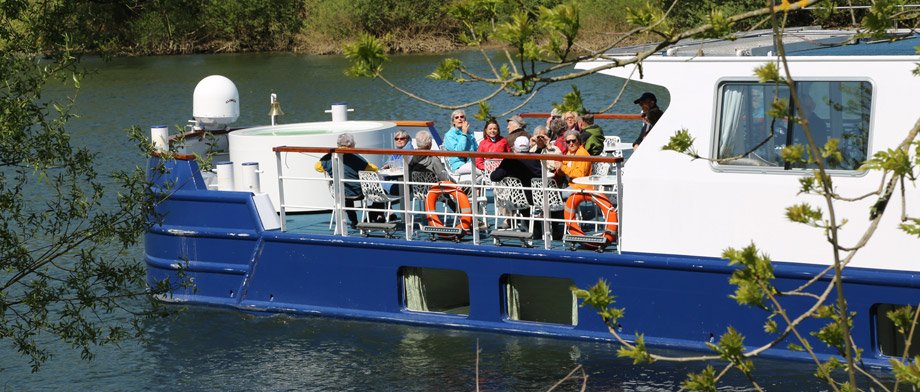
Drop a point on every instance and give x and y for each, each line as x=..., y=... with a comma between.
x=646, y=95
x=521, y=144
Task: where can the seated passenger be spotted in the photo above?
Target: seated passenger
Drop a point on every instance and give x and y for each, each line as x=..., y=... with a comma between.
x=428, y=164
x=353, y=164
x=568, y=170
x=459, y=138
x=492, y=141
x=522, y=169
x=401, y=141
x=517, y=127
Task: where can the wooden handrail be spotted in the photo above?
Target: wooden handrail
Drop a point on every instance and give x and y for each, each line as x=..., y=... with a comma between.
x=400, y=123
x=443, y=153
x=179, y=157
x=602, y=116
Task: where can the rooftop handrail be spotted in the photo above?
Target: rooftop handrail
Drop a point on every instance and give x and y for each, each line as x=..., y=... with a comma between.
x=597, y=116
x=444, y=153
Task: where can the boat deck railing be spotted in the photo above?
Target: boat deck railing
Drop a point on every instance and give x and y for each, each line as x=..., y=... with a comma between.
x=416, y=226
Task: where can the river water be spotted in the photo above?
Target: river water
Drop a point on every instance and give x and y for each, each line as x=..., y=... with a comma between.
x=216, y=350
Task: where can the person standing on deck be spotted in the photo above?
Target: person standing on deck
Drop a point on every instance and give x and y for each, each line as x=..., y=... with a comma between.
x=591, y=134
x=650, y=115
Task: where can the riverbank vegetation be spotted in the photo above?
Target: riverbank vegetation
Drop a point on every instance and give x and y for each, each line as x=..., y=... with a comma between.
x=145, y=27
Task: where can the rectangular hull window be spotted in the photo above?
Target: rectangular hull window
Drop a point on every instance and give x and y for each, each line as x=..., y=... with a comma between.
x=749, y=136
x=540, y=299
x=435, y=290
x=890, y=341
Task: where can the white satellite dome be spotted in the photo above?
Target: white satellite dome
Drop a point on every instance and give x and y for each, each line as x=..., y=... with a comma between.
x=216, y=102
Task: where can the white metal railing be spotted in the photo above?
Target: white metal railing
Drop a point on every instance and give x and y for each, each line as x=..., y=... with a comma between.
x=475, y=188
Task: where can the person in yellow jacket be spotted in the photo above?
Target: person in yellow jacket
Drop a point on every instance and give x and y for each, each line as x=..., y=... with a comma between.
x=567, y=170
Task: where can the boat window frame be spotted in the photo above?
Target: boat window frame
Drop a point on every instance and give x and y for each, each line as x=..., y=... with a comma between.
x=717, y=125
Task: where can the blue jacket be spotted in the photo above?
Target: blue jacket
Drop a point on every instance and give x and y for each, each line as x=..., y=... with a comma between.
x=455, y=140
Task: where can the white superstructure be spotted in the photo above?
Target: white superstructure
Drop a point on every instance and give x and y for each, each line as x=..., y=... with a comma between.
x=676, y=205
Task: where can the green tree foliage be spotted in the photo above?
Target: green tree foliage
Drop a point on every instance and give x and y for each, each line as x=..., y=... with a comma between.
x=64, y=270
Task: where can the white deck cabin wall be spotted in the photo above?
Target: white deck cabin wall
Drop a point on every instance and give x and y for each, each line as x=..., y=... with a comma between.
x=674, y=205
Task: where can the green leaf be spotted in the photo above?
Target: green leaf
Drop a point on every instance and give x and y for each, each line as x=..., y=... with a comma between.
x=367, y=56
x=907, y=372
x=571, y=102
x=768, y=73
x=598, y=297
x=638, y=352
x=903, y=318
x=804, y=213
x=731, y=348
x=681, y=142
x=446, y=70
x=794, y=154
x=484, y=112
x=754, y=279
x=703, y=381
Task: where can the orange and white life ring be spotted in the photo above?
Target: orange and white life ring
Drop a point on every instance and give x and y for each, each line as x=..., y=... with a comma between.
x=451, y=190
x=610, y=215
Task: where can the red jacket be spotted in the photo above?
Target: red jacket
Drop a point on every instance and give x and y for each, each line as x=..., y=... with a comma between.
x=487, y=145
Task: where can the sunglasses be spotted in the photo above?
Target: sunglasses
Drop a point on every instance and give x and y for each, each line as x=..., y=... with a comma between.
x=571, y=141
x=456, y=117
x=400, y=138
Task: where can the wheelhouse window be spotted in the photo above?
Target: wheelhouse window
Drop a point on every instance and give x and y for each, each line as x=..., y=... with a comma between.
x=749, y=136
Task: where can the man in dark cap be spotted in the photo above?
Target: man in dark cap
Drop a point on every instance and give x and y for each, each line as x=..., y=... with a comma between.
x=650, y=115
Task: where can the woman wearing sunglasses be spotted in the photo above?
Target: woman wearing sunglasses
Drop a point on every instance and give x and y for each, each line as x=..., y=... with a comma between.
x=567, y=170
x=459, y=138
x=401, y=141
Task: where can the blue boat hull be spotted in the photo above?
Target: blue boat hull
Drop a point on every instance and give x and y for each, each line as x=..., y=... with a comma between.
x=674, y=301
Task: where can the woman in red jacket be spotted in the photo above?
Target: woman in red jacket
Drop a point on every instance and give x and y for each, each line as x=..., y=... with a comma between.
x=492, y=141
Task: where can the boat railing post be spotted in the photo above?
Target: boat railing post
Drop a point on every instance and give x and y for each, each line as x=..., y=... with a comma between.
x=408, y=217
x=619, y=207
x=475, y=204
x=337, y=172
x=547, y=227
x=281, y=191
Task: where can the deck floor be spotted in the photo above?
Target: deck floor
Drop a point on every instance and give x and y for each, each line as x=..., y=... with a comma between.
x=319, y=223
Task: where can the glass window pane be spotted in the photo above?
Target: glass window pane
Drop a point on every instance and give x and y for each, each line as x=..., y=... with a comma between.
x=748, y=136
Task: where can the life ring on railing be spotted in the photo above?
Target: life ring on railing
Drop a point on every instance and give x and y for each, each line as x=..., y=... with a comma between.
x=610, y=215
x=451, y=190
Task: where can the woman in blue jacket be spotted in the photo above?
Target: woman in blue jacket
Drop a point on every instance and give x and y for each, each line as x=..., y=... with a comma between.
x=459, y=138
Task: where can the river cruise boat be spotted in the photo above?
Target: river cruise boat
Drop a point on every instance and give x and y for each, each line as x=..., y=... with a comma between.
x=269, y=234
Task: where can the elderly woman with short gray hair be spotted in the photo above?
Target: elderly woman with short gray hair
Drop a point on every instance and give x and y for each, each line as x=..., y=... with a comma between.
x=353, y=163
x=430, y=164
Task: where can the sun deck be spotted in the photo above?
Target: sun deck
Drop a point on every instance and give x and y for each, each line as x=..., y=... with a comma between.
x=492, y=212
